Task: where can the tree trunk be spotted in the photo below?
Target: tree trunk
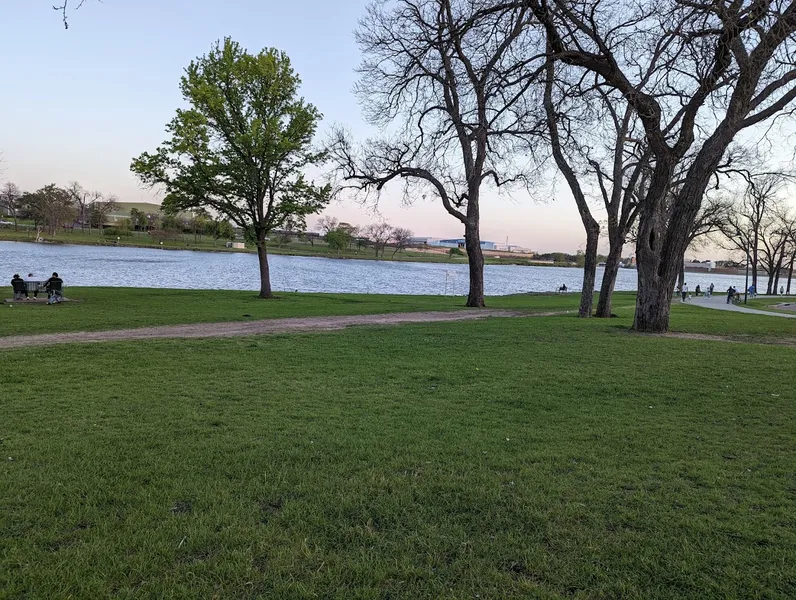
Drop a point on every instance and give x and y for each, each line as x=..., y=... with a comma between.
x=472, y=237
x=609, y=281
x=265, y=273
x=652, y=304
x=681, y=277
x=778, y=270
x=589, y=271
x=754, y=262
x=659, y=258
x=790, y=270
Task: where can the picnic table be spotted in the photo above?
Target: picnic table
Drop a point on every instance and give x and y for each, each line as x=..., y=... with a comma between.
x=36, y=286
x=53, y=292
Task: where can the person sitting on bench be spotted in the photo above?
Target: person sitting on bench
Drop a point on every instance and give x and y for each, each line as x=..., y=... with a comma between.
x=19, y=287
x=563, y=289
x=54, y=286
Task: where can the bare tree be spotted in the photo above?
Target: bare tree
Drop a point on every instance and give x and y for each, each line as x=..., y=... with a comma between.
x=379, y=235
x=453, y=80
x=83, y=199
x=724, y=67
x=775, y=236
x=10, y=197
x=100, y=208
x=596, y=148
x=327, y=224
x=746, y=220
x=400, y=238
x=792, y=260
x=65, y=7
x=711, y=220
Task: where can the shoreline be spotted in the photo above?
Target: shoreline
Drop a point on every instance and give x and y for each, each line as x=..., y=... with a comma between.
x=433, y=257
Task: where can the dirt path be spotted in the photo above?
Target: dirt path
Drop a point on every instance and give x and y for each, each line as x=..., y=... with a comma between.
x=243, y=328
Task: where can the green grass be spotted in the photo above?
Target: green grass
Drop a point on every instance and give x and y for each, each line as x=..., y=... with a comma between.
x=505, y=458
x=694, y=319
x=104, y=308
x=767, y=303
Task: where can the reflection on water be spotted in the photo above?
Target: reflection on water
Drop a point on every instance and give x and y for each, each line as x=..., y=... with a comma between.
x=145, y=267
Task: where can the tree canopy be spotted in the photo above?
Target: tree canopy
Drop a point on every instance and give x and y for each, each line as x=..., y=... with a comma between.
x=241, y=148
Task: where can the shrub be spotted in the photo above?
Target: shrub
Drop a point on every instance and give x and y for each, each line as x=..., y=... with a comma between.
x=456, y=252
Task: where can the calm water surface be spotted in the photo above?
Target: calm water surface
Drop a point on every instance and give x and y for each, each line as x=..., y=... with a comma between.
x=145, y=267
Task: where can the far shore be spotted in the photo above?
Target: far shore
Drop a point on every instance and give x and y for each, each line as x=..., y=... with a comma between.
x=298, y=249
x=410, y=255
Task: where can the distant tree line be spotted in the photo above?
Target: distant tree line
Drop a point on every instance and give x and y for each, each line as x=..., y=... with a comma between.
x=340, y=236
x=54, y=208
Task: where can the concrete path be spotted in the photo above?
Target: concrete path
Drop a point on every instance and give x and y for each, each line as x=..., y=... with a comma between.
x=243, y=328
x=719, y=302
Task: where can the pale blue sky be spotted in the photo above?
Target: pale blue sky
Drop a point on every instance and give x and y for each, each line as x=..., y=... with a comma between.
x=80, y=104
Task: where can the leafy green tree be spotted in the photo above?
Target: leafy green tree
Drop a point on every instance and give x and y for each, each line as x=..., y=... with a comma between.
x=220, y=230
x=51, y=206
x=338, y=239
x=241, y=147
x=138, y=219
x=198, y=223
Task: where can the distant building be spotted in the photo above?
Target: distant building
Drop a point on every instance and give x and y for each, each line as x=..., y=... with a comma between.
x=459, y=243
x=123, y=210
x=707, y=265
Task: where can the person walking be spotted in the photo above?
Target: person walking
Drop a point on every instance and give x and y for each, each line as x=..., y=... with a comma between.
x=710, y=291
x=730, y=294
x=685, y=291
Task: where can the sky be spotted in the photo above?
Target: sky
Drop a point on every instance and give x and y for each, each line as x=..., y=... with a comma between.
x=79, y=104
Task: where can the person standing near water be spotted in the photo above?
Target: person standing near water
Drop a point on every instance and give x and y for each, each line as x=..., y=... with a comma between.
x=685, y=291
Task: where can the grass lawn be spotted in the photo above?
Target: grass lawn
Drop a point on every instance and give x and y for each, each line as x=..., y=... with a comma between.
x=767, y=303
x=694, y=319
x=562, y=459
x=103, y=308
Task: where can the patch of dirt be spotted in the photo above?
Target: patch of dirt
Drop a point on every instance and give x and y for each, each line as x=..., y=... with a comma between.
x=788, y=306
x=732, y=340
x=265, y=326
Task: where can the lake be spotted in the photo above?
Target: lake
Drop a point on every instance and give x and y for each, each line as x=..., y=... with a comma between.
x=145, y=267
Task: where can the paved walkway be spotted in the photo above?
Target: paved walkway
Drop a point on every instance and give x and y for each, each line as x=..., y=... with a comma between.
x=243, y=328
x=719, y=302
